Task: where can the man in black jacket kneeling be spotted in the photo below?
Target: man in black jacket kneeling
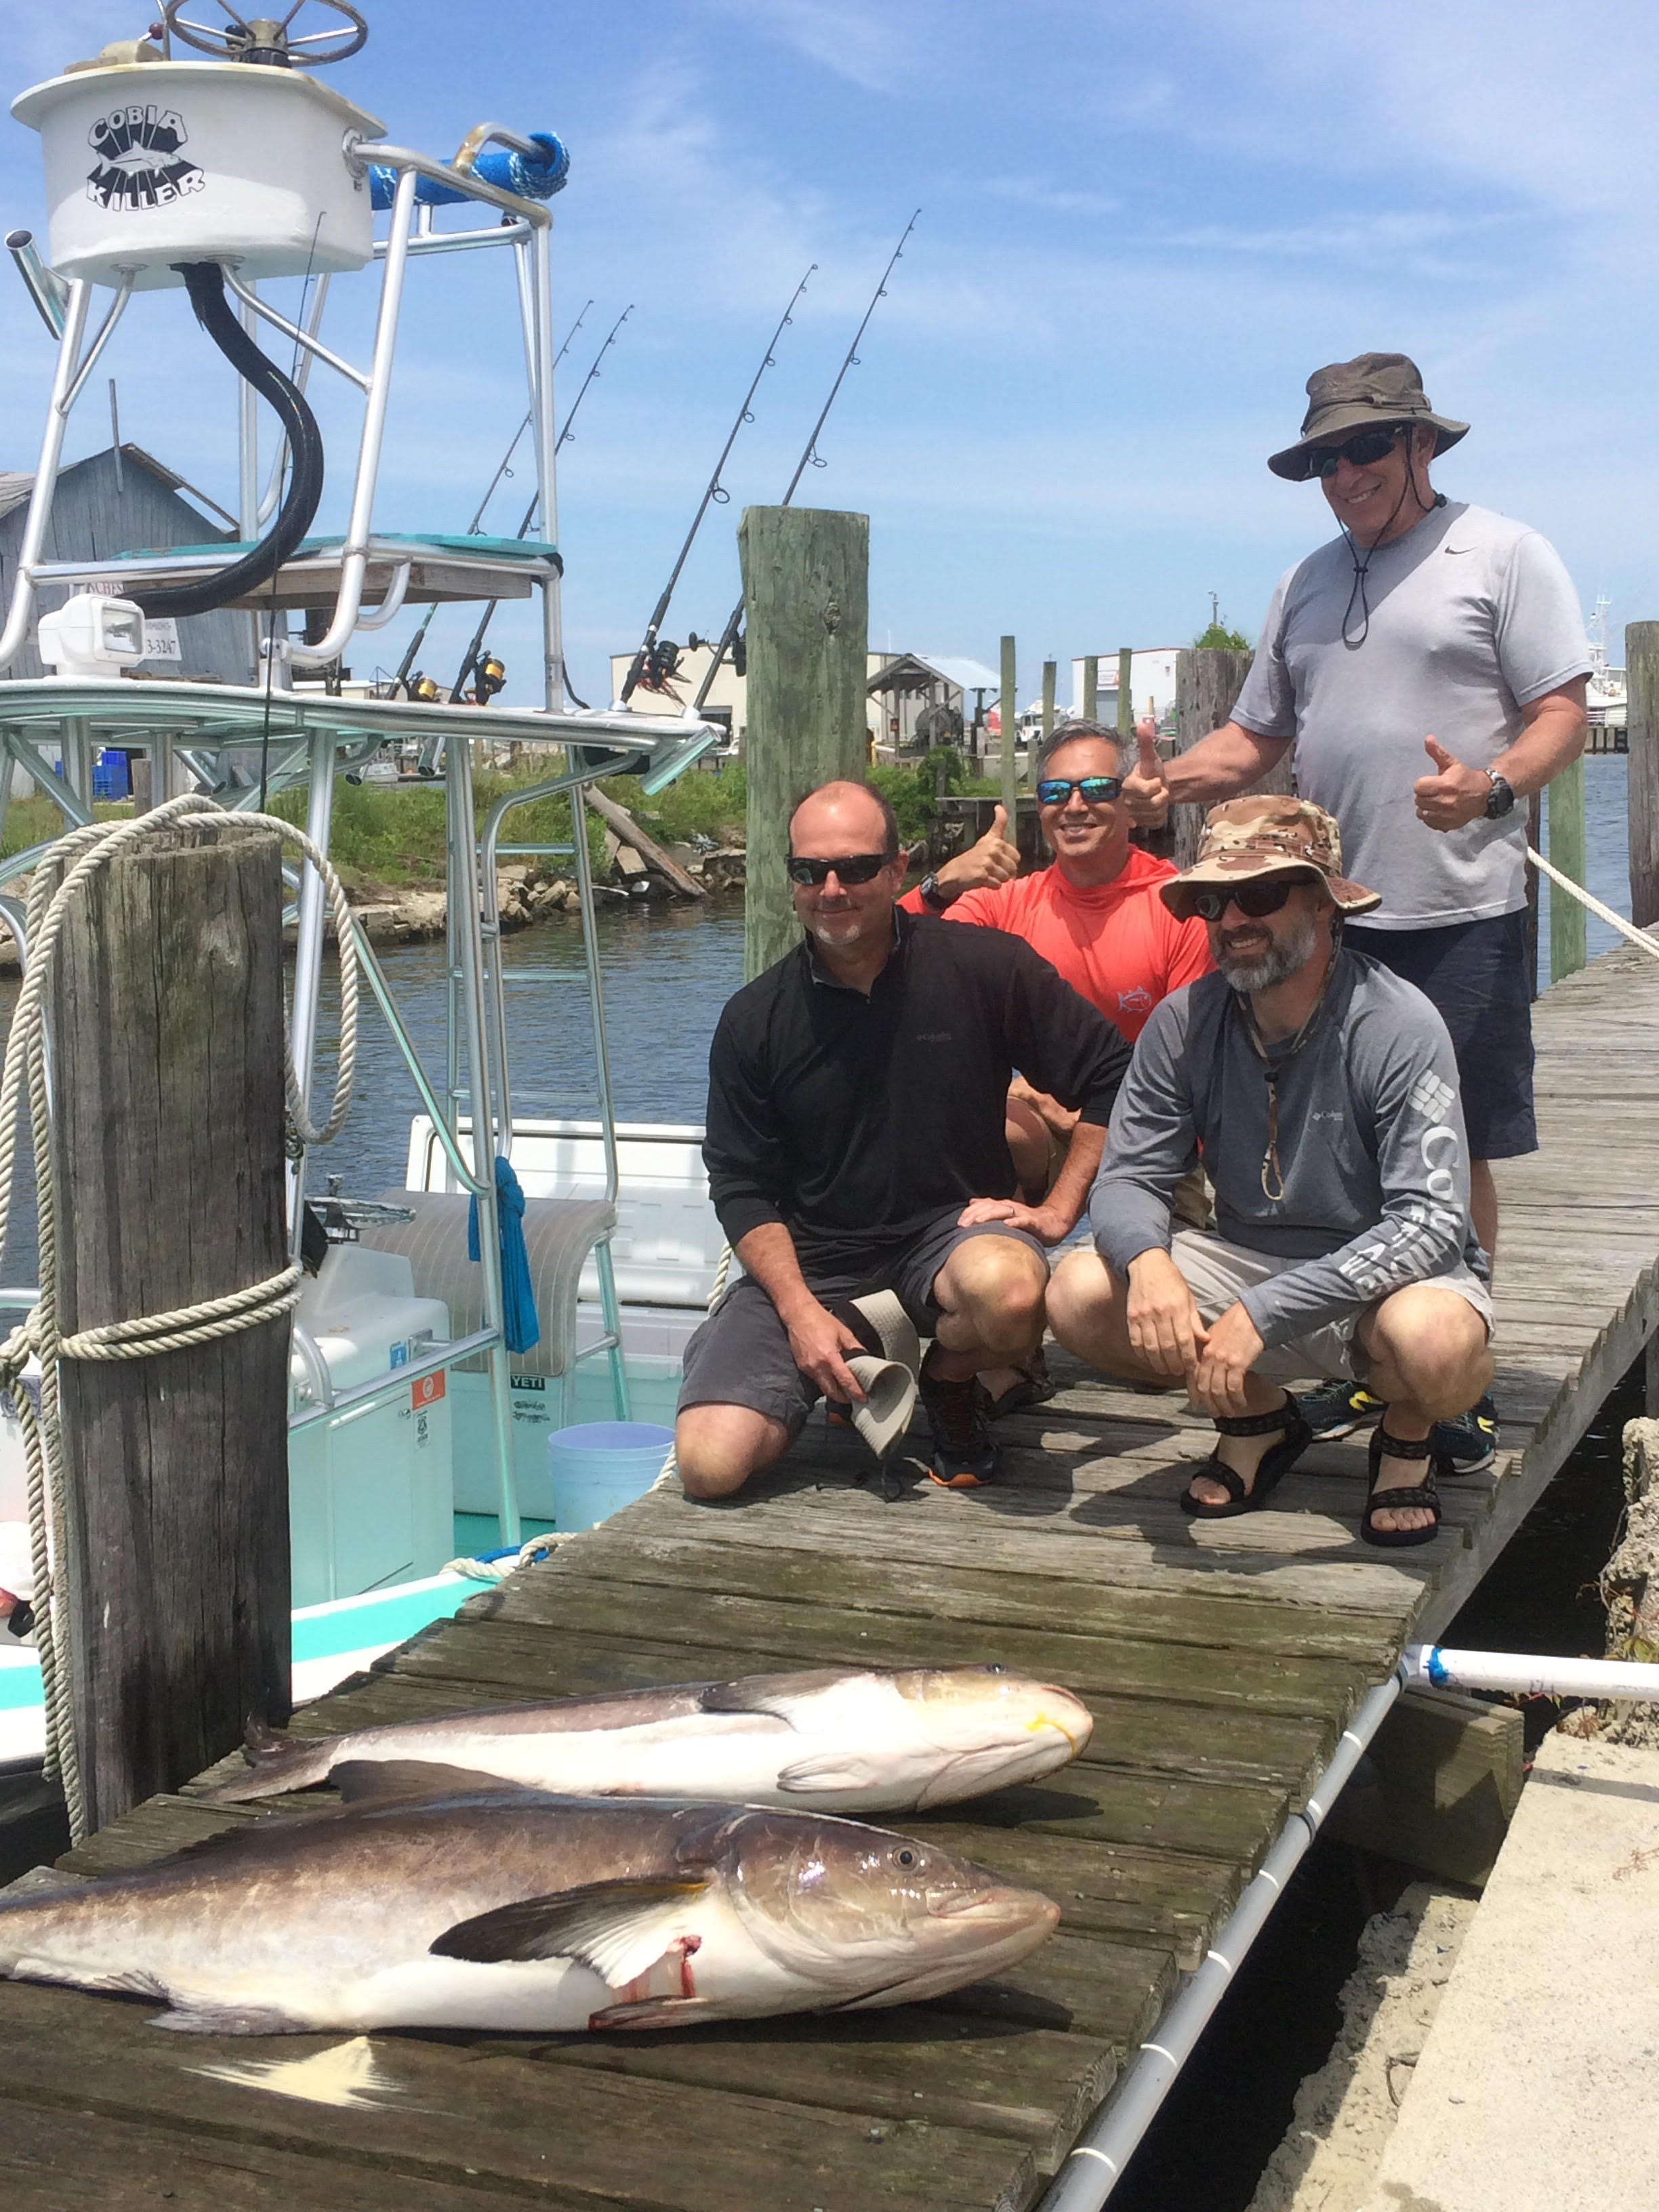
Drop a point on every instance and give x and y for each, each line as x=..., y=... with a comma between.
x=856, y=1110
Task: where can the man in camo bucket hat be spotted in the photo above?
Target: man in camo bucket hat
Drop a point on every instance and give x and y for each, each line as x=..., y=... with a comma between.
x=1321, y=1091
x=1266, y=836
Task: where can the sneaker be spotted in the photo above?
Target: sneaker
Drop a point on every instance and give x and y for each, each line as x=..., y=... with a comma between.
x=965, y=1455
x=1337, y=1409
x=1470, y=1442
x=1036, y=1387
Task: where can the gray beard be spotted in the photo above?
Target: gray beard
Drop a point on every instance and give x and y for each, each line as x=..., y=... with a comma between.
x=1277, y=965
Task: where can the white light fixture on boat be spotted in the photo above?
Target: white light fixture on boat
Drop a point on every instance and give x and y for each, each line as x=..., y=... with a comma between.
x=91, y=635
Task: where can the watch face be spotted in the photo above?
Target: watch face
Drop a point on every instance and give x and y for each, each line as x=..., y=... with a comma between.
x=1502, y=798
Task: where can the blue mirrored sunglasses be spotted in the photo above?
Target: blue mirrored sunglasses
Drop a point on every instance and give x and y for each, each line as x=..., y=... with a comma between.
x=1096, y=790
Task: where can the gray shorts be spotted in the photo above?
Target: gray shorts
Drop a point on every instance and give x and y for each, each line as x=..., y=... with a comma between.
x=740, y=1356
x=1218, y=1273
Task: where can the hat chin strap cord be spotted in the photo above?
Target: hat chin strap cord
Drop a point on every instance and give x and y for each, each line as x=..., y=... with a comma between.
x=206, y=283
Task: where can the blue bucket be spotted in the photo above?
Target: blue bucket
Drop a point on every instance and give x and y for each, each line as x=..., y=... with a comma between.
x=599, y=1467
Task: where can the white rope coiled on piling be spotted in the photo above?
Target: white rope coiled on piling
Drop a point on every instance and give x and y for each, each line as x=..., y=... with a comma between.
x=64, y=872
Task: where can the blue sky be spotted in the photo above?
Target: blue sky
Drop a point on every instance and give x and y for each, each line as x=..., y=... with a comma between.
x=1141, y=229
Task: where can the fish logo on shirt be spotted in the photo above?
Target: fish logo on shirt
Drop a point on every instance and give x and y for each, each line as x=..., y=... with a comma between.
x=1138, y=1001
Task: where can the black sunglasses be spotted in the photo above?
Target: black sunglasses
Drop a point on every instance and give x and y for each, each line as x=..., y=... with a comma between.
x=1254, y=899
x=852, y=868
x=1368, y=446
x=1097, y=790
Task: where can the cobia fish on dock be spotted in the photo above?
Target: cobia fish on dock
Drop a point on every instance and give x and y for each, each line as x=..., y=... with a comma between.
x=509, y=1908
x=843, y=1740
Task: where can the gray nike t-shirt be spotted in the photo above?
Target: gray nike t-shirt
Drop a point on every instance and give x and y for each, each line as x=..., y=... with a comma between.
x=1471, y=617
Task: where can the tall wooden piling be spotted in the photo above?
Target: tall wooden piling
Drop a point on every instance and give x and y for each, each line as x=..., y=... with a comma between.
x=1208, y=680
x=1126, y=690
x=167, y=1035
x=806, y=587
x=1008, y=720
x=1091, y=687
x=1641, y=736
x=1049, y=672
x=1568, y=936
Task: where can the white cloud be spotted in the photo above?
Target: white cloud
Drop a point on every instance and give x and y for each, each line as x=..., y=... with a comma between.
x=862, y=44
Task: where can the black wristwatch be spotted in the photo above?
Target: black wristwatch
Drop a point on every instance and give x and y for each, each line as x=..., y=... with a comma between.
x=1502, y=800
x=934, y=897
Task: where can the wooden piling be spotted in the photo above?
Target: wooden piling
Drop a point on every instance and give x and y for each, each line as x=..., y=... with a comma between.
x=1641, y=738
x=1568, y=944
x=1208, y=680
x=1048, y=675
x=1008, y=717
x=167, y=1034
x=1091, y=688
x=1126, y=702
x=806, y=587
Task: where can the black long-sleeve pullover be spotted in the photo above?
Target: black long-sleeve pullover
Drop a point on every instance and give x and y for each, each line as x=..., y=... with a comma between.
x=855, y=1121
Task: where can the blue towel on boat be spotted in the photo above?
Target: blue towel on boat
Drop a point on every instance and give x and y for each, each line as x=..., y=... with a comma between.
x=521, y=1325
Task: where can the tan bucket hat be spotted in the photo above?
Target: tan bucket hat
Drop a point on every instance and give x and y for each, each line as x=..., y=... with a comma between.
x=1354, y=395
x=1267, y=836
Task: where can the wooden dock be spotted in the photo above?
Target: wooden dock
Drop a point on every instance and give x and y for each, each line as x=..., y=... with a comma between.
x=1220, y=1659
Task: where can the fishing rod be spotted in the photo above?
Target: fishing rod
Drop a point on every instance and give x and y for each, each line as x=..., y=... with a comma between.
x=810, y=455
x=473, y=651
x=400, y=681
x=714, y=493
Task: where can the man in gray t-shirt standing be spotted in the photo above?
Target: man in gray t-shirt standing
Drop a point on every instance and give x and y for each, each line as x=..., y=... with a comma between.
x=1428, y=665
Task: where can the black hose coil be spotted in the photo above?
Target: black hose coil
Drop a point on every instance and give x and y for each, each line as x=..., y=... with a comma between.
x=205, y=282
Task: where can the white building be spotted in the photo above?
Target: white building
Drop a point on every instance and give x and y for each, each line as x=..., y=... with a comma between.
x=1151, y=686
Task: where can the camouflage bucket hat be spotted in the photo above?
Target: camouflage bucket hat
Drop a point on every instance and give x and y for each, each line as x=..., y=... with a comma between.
x=1373, y=388
x=1246, y=838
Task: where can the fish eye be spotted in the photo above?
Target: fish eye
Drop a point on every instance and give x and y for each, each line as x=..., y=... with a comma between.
x=996, y=1668
x=906, y=1858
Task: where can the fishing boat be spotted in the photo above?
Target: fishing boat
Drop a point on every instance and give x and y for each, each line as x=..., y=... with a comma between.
x=212, y=156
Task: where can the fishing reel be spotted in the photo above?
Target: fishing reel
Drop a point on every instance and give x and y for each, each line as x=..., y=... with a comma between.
x=263, y=38
x=489, y=676
x=336, y=1219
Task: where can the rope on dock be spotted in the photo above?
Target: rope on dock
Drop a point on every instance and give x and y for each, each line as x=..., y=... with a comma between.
x=59, y=879
x=1649, y=944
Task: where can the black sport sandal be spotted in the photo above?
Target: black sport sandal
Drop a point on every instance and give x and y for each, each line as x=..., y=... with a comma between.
x=1276, y=1461
x=1422, y=1493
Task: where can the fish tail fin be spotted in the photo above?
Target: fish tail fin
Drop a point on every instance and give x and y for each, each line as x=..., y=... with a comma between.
x=277, y=1763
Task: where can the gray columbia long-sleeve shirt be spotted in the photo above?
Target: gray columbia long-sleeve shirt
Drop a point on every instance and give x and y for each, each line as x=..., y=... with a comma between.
x=1371, y=1143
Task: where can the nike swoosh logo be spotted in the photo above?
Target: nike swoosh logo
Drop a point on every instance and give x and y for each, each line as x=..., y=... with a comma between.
x=1461, y=548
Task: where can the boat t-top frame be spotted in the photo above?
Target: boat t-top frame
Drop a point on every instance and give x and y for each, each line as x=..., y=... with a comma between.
x=241, y=743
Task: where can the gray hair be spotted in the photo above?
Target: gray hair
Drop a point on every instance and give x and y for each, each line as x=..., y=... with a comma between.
x=1067, y=733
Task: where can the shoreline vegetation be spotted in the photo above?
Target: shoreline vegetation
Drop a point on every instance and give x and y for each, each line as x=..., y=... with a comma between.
x=387, y=841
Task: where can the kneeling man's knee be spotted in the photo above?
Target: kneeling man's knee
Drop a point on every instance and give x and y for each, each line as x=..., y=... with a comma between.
x=717, y=1448
x=1436, y=1342
x=1080, y=1297
x=996, y=1283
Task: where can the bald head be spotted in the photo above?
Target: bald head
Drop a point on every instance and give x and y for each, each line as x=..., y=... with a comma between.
x=853, y=817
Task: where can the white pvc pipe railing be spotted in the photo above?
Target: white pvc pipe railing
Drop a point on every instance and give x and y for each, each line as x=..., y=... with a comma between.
x=1631, y=1681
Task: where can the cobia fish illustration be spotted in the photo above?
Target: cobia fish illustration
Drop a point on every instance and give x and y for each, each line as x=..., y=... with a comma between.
x=841, y=1739
x=504, y=1908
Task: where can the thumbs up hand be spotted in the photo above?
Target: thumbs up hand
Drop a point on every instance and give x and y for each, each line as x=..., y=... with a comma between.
x=1145, y=793
x=992, y=861
x=1454, y=795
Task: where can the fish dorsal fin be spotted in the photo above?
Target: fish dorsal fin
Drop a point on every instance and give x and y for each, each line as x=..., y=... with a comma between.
x=413, y=1781
x=773, y=1694
x=618, y=1929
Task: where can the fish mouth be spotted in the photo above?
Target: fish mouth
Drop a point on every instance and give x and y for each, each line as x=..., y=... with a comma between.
x=1080, y=1726
x=1024, y=1907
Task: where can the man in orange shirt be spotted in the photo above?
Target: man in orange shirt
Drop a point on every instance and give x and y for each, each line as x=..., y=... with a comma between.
x=1094, y=915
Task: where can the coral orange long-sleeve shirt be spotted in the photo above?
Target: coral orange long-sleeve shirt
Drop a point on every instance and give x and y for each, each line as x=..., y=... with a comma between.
x=1118, y=945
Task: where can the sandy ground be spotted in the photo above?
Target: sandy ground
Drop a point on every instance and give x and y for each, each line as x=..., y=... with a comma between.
x=1346, y=2113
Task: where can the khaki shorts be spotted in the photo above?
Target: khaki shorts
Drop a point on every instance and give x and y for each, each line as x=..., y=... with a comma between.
x=1218, y=1273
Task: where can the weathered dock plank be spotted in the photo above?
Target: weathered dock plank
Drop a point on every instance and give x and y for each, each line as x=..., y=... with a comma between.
x=1219, y=1660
